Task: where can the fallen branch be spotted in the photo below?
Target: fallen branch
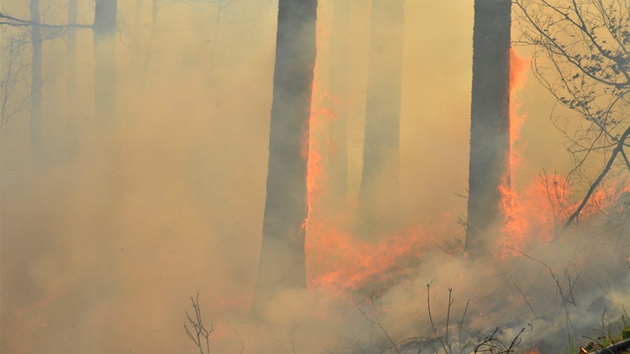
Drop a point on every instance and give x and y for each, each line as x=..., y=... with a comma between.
x=615, y=348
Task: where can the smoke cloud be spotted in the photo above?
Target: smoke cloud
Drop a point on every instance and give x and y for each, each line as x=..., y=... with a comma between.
x=107, y=235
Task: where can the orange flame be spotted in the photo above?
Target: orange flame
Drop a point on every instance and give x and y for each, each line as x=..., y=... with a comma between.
x=516, y=228
x=545, y=203
x=339, y=261
x=336, y=260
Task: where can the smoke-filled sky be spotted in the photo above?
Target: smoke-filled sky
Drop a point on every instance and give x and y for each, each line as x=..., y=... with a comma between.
x=107, y=234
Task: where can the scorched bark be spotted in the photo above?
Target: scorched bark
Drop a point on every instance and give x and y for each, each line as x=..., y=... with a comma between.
x=282, y=262
x=490, y=124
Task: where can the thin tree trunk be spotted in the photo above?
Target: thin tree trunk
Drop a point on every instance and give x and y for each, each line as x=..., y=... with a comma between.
x=282, y=263
x=36, y=81
x=149, y=49
x=72, y=71
x=490, y=124
x=339, y=92
x=138, y=21
x=105, y=61
x=379, y=193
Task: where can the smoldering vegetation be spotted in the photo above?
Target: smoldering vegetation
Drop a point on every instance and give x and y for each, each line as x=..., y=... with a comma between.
x=107, y=234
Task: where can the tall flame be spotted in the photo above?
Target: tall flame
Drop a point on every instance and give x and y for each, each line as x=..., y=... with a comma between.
x=545, y=203
x=336, y=259
x=516, y=228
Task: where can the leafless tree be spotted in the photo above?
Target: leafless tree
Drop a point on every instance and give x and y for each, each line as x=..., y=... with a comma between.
x=13, y=77
x=582, y=56
x=15, y=73
x=36, y=79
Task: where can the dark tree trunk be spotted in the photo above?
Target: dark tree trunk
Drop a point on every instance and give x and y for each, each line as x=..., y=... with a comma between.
x=36, y=81
x=105, y=61
x=490, y=124
x=379, y=194
x=282, y=264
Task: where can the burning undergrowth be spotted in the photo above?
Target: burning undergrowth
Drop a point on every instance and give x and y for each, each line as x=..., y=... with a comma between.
x=556, y=290
x=545, y=296
x=545, y=287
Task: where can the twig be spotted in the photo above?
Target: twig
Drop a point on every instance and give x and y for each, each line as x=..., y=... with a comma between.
x=242, y=341
x=514, y=341
x=461, y=324
x=431, y=317
x=374, y=323
x=448, y=317
x=526, y=301
x=199, y=329
x=564, y=297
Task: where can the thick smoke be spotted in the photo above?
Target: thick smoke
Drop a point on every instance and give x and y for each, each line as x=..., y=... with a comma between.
x=107, y=236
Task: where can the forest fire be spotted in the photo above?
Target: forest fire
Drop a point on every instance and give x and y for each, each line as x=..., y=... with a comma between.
x=202, y=169
x=340, y=260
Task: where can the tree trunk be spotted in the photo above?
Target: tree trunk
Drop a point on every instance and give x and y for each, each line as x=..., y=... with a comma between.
x=138, y=22
x=36, y=81
x=105, y=62
x=338, y=175
x=379, y=194
x=282, y=264
x=71, y=66
x=149, y=49
x=490, y=124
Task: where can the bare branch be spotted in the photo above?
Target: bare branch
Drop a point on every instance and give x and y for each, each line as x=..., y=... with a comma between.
x=599, y=179
x=198, y=331
x=377, y=324
x=17, y=22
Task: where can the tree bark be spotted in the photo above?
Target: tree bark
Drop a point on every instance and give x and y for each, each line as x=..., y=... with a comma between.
x=105, y=61
x=282, y=263
x=379, y=193
x=36, y=81
x=490, y=124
